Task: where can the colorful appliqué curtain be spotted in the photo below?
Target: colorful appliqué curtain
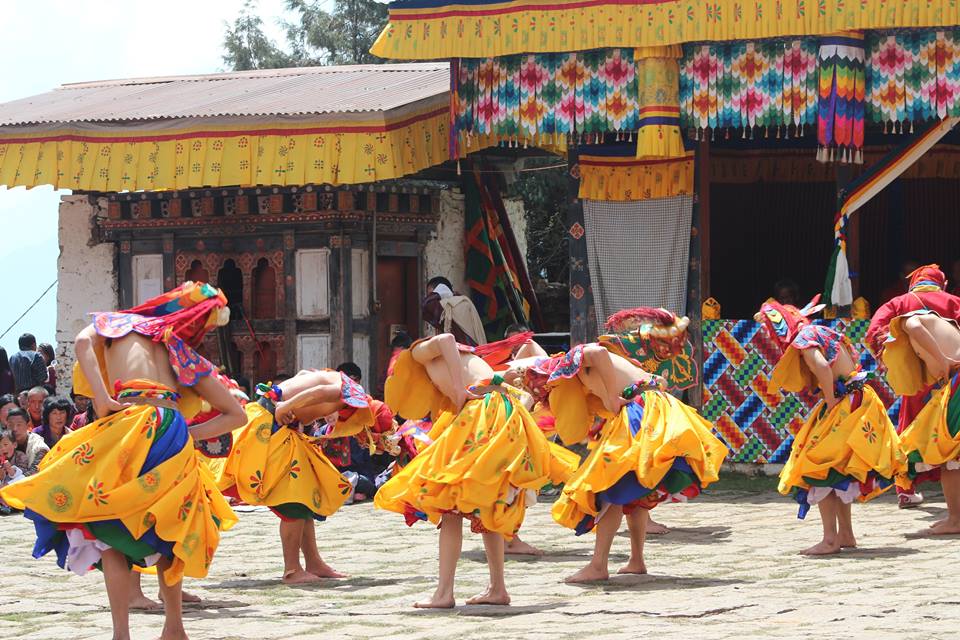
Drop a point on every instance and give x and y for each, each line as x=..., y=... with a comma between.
x=548, y=99
x=913, y=76
x=840, y=113
x=742, y=85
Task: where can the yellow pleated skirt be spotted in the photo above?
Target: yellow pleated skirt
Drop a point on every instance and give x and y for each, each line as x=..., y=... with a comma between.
x=281, y=468
x=653, y=450
x=481, y=464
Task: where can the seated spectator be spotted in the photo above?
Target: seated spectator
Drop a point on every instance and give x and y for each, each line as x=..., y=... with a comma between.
x=786, y=291
x=352, y=371
x=83, y=411
x=22, y=399
x=9, y=470
x=7, y=402
x=57, y=413
x=7, y=385
x=28, y=443
x=35, y=399
x=49, y=358
x=28, y=366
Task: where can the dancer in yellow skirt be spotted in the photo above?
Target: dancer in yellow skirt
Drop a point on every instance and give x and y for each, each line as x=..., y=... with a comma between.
x=486, y=461
x=648, y=447
x=923, y=351
x=273, y=462
x=128, y=488
x=847, y=449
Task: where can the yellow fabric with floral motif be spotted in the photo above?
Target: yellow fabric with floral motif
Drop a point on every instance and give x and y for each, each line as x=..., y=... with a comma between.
x=669, y=430
x=93, y=474
x=282, y=468
x=852, y=442
x=409, y=392
x=620, y=179
x=929, y=433
x=479, y=30
x=480, y=463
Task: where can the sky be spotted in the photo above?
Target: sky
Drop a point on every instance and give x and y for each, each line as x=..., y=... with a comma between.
x=46, y=43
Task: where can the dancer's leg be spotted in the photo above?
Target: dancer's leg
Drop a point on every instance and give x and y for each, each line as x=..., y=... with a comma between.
x=637, y=523
x=172, y=605
x=312, y=561
x=607, y=528
x=950, y=481
x=451, y=542
x=845, y=526
x=291, y=536
x=496, y=592
x=137, y=599
x=828, y=516
x=116, y=575
x=518, y=547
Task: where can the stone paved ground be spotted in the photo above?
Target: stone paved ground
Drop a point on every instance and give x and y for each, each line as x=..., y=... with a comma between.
x=730, y=563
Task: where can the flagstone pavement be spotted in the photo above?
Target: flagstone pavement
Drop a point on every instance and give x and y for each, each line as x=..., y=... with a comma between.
x=729, y=569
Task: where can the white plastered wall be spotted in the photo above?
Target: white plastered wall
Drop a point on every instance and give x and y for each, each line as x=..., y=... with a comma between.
x=87, y=277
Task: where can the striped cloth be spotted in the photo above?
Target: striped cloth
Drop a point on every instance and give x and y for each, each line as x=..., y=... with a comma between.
x=638, y=253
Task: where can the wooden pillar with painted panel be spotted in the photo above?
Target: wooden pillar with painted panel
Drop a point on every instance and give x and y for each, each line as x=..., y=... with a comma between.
x=582, y=321
x=125, y=275
x=169, y=262
x=290, y=303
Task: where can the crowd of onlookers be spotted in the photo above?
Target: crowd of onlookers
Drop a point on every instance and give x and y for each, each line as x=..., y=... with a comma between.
x=33, y=417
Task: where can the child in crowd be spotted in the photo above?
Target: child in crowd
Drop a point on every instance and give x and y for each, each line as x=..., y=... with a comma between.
x=9, y=470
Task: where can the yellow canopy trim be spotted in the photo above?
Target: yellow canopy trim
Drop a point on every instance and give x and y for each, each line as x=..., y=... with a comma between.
x=431, y=29
x=133, y=159
x=622, y=178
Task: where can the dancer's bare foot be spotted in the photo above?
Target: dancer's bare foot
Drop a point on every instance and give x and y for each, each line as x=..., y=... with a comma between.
x=141, y=602
x=823, y=548
x=323, y=570
x=518, y=547
x=173, y=634
x=299, y=576
x=847, y=542
x=656, y=529
x=436, y=601
x=589, y=573
x=185, y=596
x=940, y=528
x=634, y=566
x=491, y=596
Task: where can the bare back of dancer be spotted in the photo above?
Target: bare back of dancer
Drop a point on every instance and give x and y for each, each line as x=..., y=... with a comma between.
x=936, y=341
x=450, y=369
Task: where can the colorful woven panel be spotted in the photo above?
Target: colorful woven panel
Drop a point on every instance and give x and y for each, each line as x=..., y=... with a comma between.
x=741, y=85
x=913, y=76
x=842, y=85
x=548, y=99
x=757, y=424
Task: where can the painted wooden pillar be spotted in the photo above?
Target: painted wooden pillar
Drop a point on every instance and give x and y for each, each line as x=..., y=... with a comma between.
x=290, y=304
x=582, y=315
x=169, y=263
x=699, y=263
x=125, y=275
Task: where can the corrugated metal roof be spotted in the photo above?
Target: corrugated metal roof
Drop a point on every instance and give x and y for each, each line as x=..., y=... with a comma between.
x=271, y=92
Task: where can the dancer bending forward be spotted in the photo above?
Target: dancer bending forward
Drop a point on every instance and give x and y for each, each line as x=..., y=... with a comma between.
x=847, y=449
x=273, y=462
x=487, y=459
x=648, y=446
x=129, y=489
x=923, y=350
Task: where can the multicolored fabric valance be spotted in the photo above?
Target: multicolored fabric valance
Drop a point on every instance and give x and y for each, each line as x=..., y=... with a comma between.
x=840, y=111
x=624, y=177
x=131, y=157
x=555, y=98
x=742, y=85
x=913, y=76
x=437, y=29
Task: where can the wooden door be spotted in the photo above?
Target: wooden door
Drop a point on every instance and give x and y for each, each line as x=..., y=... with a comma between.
x=398, y=294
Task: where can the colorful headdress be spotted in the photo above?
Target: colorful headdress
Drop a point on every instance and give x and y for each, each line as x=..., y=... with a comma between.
x=496, y=354
x=662, y=330
x=782, y=322
x=928, y=276
x=189, y=311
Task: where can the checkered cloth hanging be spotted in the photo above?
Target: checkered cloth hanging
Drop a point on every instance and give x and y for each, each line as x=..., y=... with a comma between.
x=638, y=253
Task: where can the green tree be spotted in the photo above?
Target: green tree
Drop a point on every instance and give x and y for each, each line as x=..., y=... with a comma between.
x=314, y=36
